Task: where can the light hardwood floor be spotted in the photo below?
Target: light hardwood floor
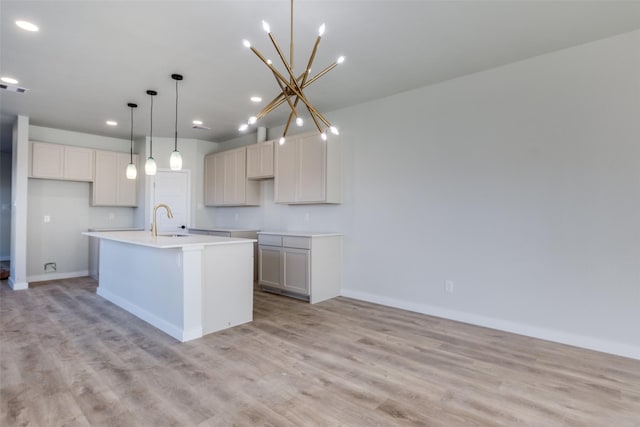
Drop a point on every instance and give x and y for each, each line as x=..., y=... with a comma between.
x=70, y=358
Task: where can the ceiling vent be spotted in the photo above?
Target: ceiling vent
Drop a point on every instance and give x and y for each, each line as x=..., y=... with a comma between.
x=201, y=127
x=13, y=88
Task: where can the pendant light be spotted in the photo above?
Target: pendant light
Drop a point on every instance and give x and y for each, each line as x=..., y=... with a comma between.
x=150, y=165
x=175, y=161
x=132, y=172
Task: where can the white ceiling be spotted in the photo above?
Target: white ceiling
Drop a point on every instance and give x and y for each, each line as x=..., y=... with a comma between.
x=92, y=57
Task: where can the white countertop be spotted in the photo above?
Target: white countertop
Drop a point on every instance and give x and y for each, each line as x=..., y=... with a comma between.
x=230, y=230
x=144, y=238
x=300, y=233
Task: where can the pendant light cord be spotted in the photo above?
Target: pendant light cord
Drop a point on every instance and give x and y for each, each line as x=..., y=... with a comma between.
x=131, y=149
x=151, y=131
x=176, y=126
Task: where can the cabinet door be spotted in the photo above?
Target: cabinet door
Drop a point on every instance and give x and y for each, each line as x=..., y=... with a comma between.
x=270, y=266
x=105, y=187
x=47, y=160
x=286, y=175
x=235, y=188
x=78, y=163
x=312, y=169
x=260, y=160
x=296, y=270
x=127, y=194
x=214, y=179
x=254, y=161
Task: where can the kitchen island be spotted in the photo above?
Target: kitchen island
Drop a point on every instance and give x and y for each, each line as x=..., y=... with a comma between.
x=185, y=285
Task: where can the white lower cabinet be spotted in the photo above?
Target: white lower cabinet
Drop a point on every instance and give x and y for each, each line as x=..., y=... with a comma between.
x=307, y=266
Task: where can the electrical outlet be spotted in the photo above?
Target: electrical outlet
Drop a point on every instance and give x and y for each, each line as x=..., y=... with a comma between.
x=448, y=286
x=47, y=219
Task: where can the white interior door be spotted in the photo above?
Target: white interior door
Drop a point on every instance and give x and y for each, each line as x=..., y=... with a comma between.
x=171, y=188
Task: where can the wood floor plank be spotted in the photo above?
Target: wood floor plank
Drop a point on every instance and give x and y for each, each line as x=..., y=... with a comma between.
x=69, y=357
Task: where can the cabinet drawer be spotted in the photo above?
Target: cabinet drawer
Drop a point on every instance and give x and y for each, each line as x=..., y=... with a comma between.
x=268, y=239
x=296, y=242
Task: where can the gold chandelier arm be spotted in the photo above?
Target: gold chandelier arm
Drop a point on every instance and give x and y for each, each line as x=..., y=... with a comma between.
x=275, y=103
x=293, y=108
x=272, y=68
x=311, y=59
x=320, y=74
x=293, y=82
x=315, y=120
x=291, y=42
x=286, y=128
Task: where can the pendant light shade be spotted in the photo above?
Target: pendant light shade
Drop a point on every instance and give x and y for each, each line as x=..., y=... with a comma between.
x=175, y=161
x=150, y=165
x=132, y=172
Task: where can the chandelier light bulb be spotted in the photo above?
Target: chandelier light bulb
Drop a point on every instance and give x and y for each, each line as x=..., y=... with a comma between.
x=321, y=30
x=269, y=62
x=28, y=26
x=243, y=127
x=340, y=60
x=9, y=80
x=281, y=141
x=175, y=161
x=265, y=26
x=132, y=172
x=150, y=166
x=323, y=135
x=252, y=120
x=246, y=43
x=334, y=130
x=299, y=121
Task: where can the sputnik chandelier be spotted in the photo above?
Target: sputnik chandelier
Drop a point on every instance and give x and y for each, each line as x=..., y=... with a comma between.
x=292, y=86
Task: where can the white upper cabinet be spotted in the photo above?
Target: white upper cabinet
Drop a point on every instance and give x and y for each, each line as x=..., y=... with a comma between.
x=111, y=186
x=307, y=170
x=260, y=160
x=226, y=182
x=56, y=161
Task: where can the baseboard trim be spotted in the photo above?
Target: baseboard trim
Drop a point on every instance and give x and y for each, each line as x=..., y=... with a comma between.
x=591, y=343
x=5, y=258
x=152, y=319
x=18, y=286
x=56, y=276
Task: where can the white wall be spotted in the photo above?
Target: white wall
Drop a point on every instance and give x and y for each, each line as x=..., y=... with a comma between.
x=520, y=184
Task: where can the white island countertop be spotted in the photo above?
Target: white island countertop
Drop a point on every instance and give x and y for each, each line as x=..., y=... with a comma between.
x=145, y=238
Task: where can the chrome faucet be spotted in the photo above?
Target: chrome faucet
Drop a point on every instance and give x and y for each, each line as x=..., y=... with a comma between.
x=154, y=227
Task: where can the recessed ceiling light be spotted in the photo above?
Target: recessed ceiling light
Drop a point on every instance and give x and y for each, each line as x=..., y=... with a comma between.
x=112, y=123
x=9, y=80
x=256, y=99
x=28, y=26
x=197, y=122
